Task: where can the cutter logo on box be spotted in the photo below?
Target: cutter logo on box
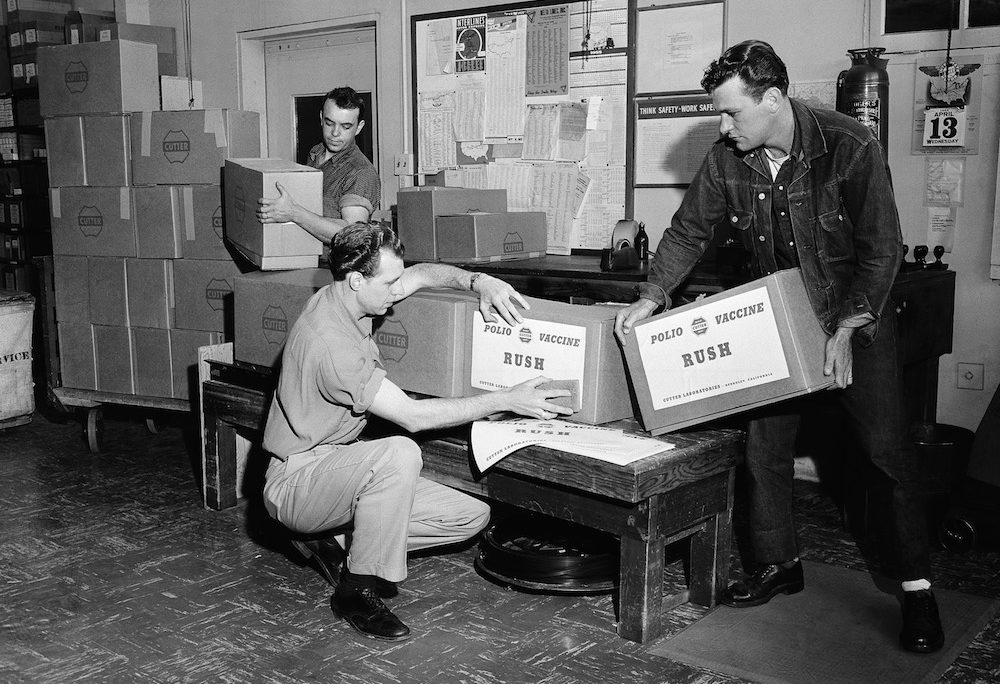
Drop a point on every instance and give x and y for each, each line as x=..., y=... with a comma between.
x=176, y=147
x=392, y=339
x=525, y=335
x=216, y=292
x=512, y=243
x=217, y=221
x=76, y=76
x=90, y=221
x=699, y=326
x=274, y=324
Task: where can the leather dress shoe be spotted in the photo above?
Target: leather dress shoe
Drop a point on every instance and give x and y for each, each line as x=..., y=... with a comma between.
x=764, y=584
x=328, y=554
x=365, y=612
x=922, y=632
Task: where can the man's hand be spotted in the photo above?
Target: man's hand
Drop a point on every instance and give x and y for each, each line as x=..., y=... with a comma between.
x=637, y=311
x=527, y=400
x=496, y=295
x=278, y=210
x=840, y=357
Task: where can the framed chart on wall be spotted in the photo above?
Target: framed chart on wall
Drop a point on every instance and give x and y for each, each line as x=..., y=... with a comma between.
x=675, y=41
x=532, y=98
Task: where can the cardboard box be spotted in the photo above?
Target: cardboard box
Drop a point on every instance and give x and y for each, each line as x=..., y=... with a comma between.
x=64, y=136
x=164, y=37
x=71, y=283
x=417, y=209
x=180, y=93
x=753, y=345
x=117, y=76
x=77, y=356
x=158, y=215
x=92, y=221
x=108, y=291
x=491, y=237
x=115, y=365
x=107, y=149
x=201, y=222
x=266, y=306
x=18, y=11
x=88, y=150
x=26, y=37
x=184, y=358
x=150, y=293
x=24, y=71
x=557, y=340
x=85, y=29
x=132, y=11
x=203, y=294
x=187, y=147
x=153, y=371
x=423, y=342
x=271, y=246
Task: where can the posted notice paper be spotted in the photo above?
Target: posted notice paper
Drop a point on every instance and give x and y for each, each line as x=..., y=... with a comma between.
x=493, y=440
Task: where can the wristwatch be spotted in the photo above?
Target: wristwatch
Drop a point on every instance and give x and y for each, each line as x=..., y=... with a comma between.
x=472, y=281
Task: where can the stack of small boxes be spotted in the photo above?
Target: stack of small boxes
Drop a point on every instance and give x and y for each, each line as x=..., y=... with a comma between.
x=142, y=276
x=465, y=225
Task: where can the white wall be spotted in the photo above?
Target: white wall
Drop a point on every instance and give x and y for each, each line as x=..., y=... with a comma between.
x=812, y=37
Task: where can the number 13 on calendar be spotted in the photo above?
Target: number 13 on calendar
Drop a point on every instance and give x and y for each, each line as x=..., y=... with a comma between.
x=944, y=127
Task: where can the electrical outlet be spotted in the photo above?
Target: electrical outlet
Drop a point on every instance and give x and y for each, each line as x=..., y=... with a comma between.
x=404, y=165
x=970, y=376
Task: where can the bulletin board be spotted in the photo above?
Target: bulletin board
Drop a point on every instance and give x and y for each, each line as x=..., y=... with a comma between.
x=535, y=99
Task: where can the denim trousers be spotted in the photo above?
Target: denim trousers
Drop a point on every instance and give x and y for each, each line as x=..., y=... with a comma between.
x=377, y=485
x=874, y=408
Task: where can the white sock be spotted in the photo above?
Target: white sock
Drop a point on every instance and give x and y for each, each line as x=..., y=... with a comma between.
x=916, y=585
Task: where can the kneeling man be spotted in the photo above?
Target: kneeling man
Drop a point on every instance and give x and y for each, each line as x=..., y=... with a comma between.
x=322, y=478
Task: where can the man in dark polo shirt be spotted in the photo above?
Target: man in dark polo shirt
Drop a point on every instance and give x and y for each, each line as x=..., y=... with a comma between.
x=351, y=186
x=321, y=477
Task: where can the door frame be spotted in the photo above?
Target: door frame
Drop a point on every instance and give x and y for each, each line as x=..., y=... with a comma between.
x=250, y=62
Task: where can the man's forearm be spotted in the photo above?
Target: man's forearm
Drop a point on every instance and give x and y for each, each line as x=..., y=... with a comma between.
x=439, y=275
x=320, y=227
x=436, y=413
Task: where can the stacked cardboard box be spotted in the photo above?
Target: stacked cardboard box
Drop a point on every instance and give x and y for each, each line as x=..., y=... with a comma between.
x=142, y=276
x=272, y=246
x=466, y=225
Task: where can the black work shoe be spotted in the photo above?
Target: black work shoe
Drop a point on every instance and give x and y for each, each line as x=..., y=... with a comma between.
x=328, y=554
x=365, y=612
x=764, y=584
x=922, y=632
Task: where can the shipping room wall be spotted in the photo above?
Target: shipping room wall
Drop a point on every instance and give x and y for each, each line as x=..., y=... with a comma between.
x=815, y=51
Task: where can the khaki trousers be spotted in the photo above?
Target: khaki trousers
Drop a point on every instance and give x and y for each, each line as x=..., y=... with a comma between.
x=376, y=484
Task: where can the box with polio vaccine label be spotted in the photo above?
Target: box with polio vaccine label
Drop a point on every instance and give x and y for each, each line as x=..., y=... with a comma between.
x=753, y=345
x=560, y=342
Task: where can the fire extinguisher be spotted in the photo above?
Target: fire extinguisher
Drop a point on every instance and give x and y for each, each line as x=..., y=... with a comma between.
x=863, y=92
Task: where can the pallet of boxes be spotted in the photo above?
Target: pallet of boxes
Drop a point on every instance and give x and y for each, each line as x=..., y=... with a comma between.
x=142, y=276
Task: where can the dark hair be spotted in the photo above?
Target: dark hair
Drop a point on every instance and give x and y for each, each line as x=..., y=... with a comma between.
x=755, y=63
x=358, y=248
x=347, y=98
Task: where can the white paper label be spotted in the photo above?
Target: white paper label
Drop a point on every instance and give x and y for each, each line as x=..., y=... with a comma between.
x=716, y=348
x=503, y=356
x=944, y=127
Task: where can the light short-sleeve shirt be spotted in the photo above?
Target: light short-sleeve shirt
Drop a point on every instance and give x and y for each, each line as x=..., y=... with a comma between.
x=330, y=373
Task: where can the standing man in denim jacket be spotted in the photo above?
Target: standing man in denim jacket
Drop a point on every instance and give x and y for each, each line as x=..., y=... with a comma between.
x=807, y=188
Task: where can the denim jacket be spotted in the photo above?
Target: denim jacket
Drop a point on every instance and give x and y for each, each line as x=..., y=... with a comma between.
x=843, y=216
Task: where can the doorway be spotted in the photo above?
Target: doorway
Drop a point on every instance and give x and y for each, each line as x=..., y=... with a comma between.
x=299, y=69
